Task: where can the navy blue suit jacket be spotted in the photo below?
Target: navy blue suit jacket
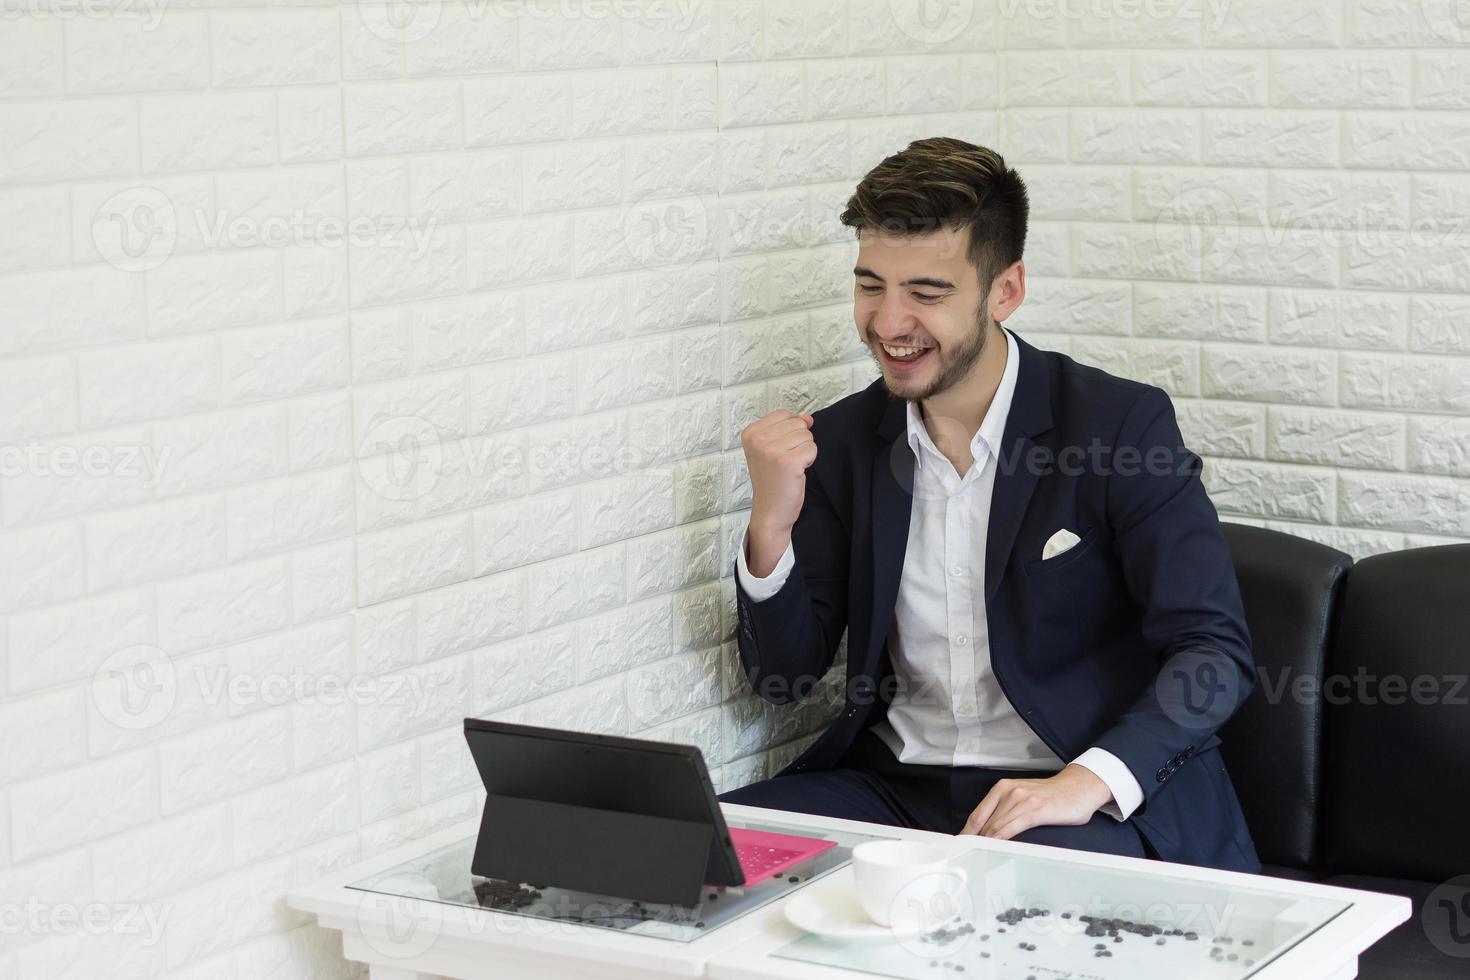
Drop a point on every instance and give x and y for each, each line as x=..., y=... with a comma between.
x=1133, y=640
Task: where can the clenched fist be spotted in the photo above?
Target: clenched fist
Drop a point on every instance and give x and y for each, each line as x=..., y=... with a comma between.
x=778, y=449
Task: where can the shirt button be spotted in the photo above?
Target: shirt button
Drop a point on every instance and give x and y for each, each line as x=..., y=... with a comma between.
x=961, y=639
x=956, y=570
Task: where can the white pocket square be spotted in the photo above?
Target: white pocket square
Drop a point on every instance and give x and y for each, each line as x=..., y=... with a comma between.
x=1058, y=543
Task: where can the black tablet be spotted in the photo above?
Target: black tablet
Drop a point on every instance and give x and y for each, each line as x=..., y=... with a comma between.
x=607, y=814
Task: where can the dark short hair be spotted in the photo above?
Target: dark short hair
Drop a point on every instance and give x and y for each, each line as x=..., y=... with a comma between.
x=941, y=182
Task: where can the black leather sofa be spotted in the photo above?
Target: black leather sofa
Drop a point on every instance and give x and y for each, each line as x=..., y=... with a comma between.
x=1352, y=755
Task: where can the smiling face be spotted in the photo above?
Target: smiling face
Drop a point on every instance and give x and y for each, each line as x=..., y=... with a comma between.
x=922, y=291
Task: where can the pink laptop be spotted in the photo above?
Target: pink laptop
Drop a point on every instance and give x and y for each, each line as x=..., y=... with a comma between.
x=764, y=854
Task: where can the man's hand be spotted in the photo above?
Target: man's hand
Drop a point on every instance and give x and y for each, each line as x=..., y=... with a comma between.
x=779, y=446
x=1068, y=799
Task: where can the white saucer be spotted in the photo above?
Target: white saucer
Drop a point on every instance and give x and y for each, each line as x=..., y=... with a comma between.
x=831, y=910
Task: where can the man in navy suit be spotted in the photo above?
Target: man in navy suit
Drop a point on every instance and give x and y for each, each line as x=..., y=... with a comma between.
x=1044, y=630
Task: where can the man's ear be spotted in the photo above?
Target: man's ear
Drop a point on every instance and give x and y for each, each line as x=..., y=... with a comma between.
x=1008, y=291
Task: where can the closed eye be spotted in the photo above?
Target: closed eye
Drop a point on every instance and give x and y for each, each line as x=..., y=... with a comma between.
x=926, y=297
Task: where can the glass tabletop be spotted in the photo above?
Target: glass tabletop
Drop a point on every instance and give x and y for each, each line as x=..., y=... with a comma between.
x=444, y=876
x=1025, y=916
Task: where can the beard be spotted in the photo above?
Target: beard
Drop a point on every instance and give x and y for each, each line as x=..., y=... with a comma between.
x=954, y=364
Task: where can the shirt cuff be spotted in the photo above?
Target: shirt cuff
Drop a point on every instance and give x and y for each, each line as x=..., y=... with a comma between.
x=1127, y=794
x=763, y=588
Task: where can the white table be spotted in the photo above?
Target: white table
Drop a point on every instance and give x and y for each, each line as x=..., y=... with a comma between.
x=411, y=938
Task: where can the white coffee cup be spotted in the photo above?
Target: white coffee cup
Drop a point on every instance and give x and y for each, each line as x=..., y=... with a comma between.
x=906, y=883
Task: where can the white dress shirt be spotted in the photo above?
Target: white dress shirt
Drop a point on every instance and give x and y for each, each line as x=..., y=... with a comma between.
x=949, y=708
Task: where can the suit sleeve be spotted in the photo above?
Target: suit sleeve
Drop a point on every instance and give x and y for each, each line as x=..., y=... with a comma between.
x=1177, y=566
x=788, y=640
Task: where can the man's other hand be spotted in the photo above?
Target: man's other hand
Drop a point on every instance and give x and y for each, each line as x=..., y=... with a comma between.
x=1012, y=806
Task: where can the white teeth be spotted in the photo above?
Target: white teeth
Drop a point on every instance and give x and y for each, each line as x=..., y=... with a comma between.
x=901, y=351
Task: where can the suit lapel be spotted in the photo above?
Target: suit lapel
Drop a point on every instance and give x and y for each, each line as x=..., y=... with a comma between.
x=1015, y=478
x=893, y=501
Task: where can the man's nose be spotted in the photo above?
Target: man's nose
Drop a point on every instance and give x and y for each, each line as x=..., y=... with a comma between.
x=897, y=331
x=891, y=322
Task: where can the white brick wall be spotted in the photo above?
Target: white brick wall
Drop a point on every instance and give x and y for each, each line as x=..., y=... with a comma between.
x=361, y=372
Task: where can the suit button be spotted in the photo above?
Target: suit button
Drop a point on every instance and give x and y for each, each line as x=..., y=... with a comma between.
x=1162, y=774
